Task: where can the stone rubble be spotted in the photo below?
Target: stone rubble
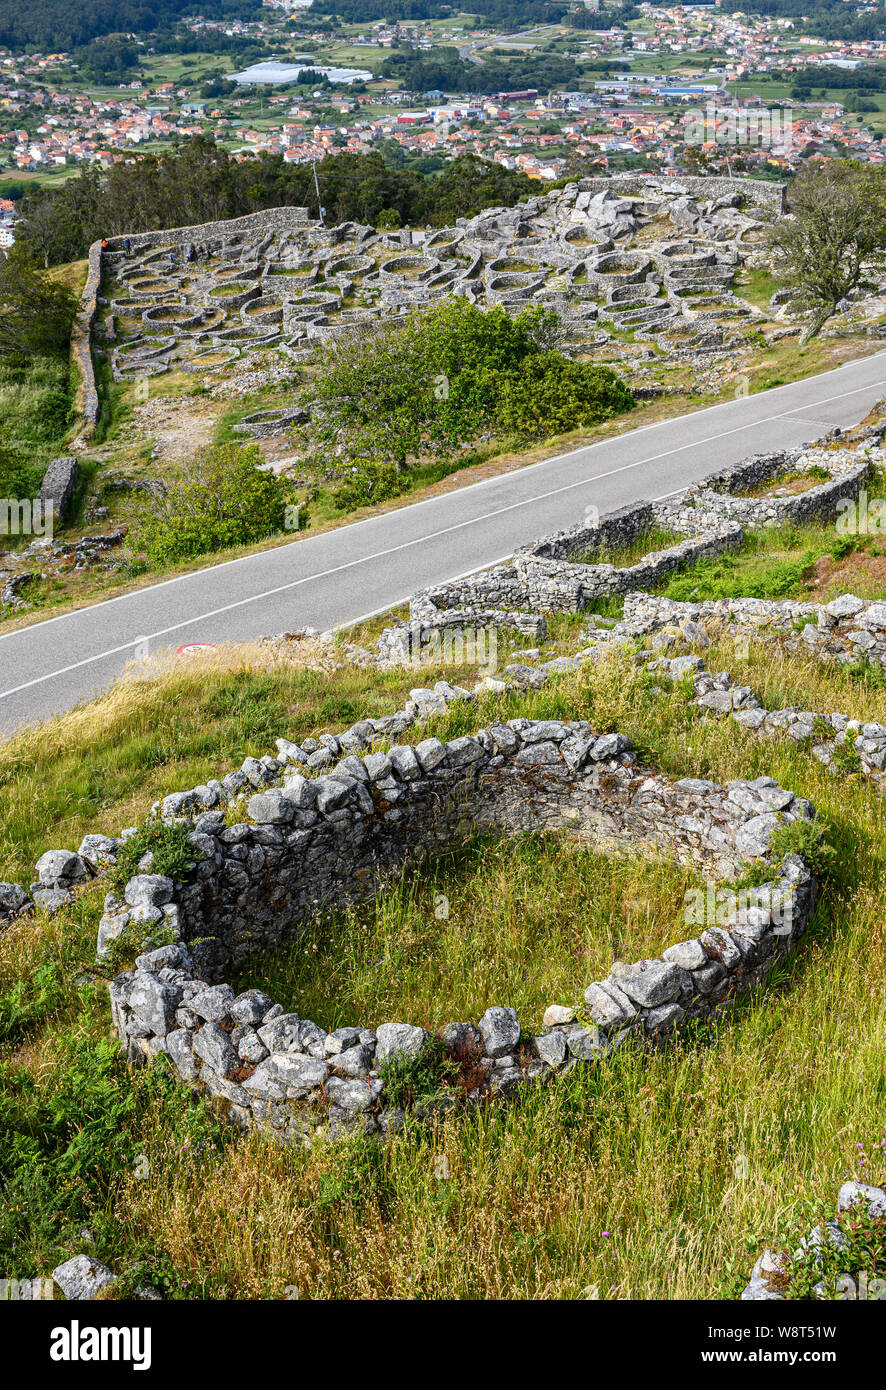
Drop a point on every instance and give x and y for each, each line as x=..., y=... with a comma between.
x=772, y=1270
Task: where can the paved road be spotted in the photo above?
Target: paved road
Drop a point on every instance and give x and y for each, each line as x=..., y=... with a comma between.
x=366, y=567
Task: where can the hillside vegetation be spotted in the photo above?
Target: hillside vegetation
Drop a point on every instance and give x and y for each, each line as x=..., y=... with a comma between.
x=650, y=1175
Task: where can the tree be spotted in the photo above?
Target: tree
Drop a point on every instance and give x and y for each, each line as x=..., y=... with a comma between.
x=437, y=379
x=695, y=160
x=201, y=182
x=36, y=312
x=836, y=230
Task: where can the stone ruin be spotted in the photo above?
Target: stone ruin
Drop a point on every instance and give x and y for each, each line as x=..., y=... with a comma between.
x=653, y=262
x=639, y=268
x=313, y=843
x=325, y=823
x=570, y=571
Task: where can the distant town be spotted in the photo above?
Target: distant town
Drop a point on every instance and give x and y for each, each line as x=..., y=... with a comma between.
x=660, y=91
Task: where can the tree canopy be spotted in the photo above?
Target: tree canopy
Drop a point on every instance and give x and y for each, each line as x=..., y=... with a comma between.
x=202, y=183
x=36, y=311
x=423, y=386
x=58, y=26
x=837, y=229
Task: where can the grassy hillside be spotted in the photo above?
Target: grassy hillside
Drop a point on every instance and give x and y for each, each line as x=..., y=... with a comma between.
x=648, y=1176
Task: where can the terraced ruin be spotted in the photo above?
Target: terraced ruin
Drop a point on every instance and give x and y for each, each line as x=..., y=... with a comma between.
x=657, y=265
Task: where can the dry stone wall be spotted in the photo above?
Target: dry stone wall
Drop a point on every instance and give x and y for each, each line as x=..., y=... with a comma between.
x=770, y=196
x=324, y=823
x=198, y=298
x=542, y=578
x=721, y=491
x=847, y=630
x=81, y=338
x=562, y=572
x=318, y=844
x=330, y=820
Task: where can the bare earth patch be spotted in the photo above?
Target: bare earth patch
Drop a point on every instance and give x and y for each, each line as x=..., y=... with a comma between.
x=177, y=427
x=862, y=573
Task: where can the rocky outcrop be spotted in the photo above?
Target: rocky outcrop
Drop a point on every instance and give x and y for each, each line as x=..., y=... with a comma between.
x=772, y=1274
x=59, y=484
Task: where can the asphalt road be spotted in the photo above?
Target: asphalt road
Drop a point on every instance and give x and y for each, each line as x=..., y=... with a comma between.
x=364, y=568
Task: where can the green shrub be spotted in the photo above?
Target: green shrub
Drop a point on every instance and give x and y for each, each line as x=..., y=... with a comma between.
x=806, y=838
x=413, y=1080
x=846, y=758
x=169, y=844
x=36, y=311
x=842, y=546
x=368, y=483
x=803, y=837
x=819, y=1271
x=437, y=379
x=550, y=394
x=224, y=499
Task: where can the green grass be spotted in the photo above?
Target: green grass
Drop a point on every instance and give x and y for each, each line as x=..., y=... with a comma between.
x=527, y=923
x=774, y=563
x=170, y=734
x=35, y=405
x=632, y=552
x=757, y=285
x=652, y=1175
x=644, y=1148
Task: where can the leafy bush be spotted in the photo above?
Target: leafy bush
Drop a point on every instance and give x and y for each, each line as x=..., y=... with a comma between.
x=842, y=546
x=806, y=838
x=368, y=483
x=550, y=394
x=434, y=381
x=224, y=499
x=819, y=1271
x=169, y=844
x=803, y=837
x=412, y=1080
